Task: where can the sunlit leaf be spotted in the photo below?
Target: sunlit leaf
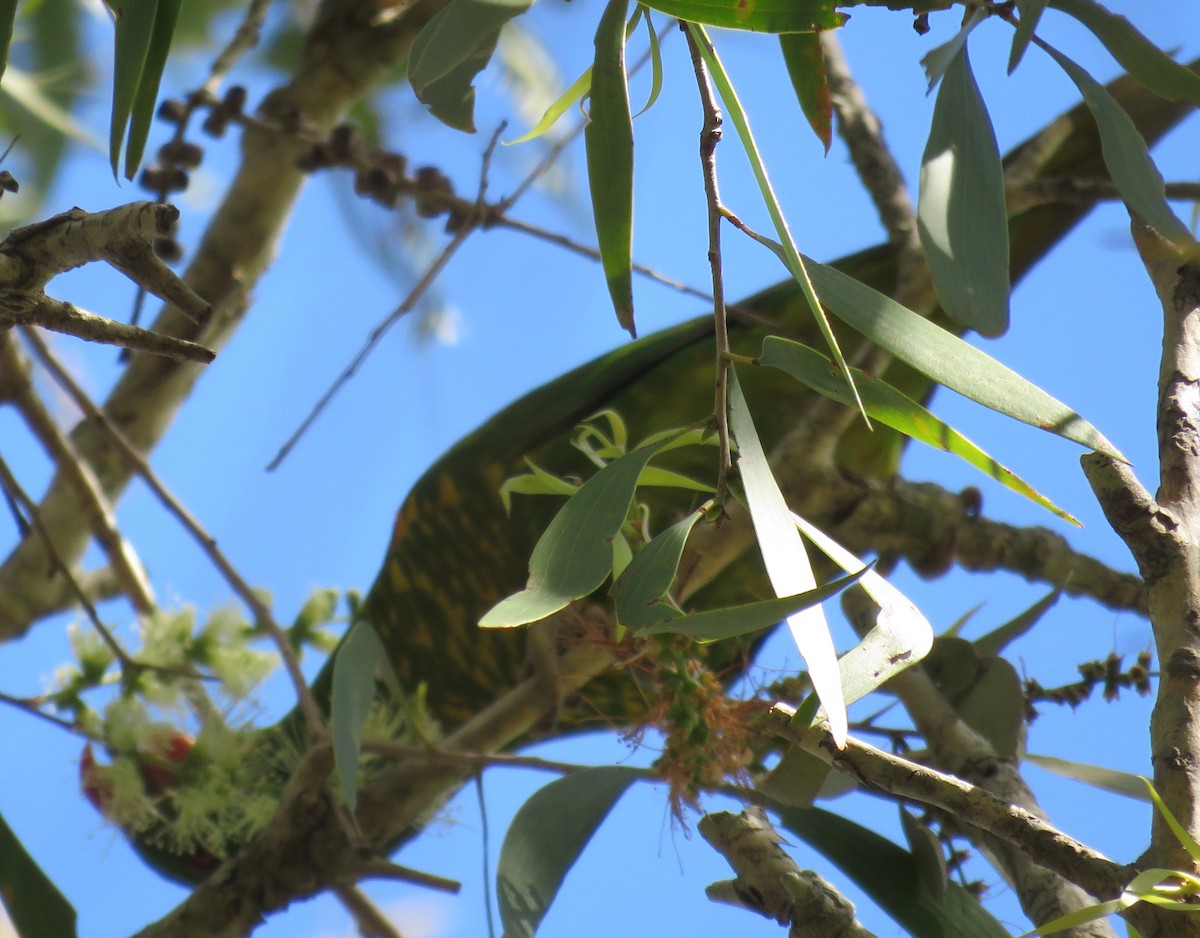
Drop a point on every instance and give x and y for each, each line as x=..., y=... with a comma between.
x=451, y=50
x=34, y=904
x=24, y=90
x=360, y=660
x=786, y=560
x=640, y=592
x=609, y=142
x=1186, y=840
x=901, y=636
x=1125, y=154
x=893, y=409
x=545, y=839
x=962, y=217
x=1138, y=55
x=574, y=555
x=949, y=360
x=656, y=66
x=764, y=16
x=806, y=67
x=579, y=87
x=1119, y=783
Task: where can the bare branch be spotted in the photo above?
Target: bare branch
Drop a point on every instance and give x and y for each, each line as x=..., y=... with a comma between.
x=770, y=883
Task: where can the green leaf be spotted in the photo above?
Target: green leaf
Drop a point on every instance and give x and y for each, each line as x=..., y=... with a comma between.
x=546, y=837
x=806, y=67
x=788, y=252
x=1119, y=783
x=949, y=360
x=1031, y=13
x=165, y=19
x=639, y=592
x=359, y=661
x=608, y=138
x=716, y=624
x=764, y=16
x=656, y=66
x=574, y=555
x=8, y=14
x=995, y=641
x=33, y=902
x=786, y=560
x=927, y=854
x=1126, y=156
x=134, y=33
x=890, y=876
x=901, y=636
x=962, y=217
x=451, y=50
x=893, y=409
x=994, y=707
x=23, y=89
x=579, y=87
x=1186, y=840
x=1138, y=55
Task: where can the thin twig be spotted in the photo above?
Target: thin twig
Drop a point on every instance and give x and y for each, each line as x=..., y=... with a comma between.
x=16, y=387
x=470, y=224
x=10, y=485
x=475, y=760
x=33, y=708
x=245, y=39
x=710, y=136
x=208, y=544
x=368, y=917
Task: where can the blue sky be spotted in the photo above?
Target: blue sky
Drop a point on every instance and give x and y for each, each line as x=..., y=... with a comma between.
x=1085, y=328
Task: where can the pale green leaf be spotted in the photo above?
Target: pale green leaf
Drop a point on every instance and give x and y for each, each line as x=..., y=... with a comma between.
x=580, y=87
x=938, y=59
x=962, y=217
x=995, y=641
x=145, y=100
x=640, y=592
x=1031, y=13
x=545, y=839
x=901, y=636
x=608, y=139
x=1138, y=55
x=360, y=660
x=1186, y=840
x=893, y=409
x=1119, y=783
x=1125, y=154
x=786, y=560
x=134, y=29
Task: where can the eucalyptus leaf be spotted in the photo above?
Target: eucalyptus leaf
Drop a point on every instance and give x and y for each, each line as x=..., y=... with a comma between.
x=360, y=660
x=1138, y=55
x=579, y=88
x=1125, y=154
x=134, y=32
x=893, y=409
x=144, y=101
x=901, y=636
x=786, y=560
x=805, y=61
x=764, y=16
x=34, y=904
x=1031, y=14
x=574, y=554
x=995, y=641
x=962, y=218
x=454, y=47
x=1119, y=783
x=8, y=14
x=608, y=139
x=639, y=592
x=545, y=839
x=938, y=59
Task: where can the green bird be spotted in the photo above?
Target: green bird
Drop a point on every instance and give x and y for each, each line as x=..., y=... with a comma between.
x=455, y=552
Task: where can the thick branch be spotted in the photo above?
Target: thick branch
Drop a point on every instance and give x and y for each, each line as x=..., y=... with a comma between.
x=770, y=883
